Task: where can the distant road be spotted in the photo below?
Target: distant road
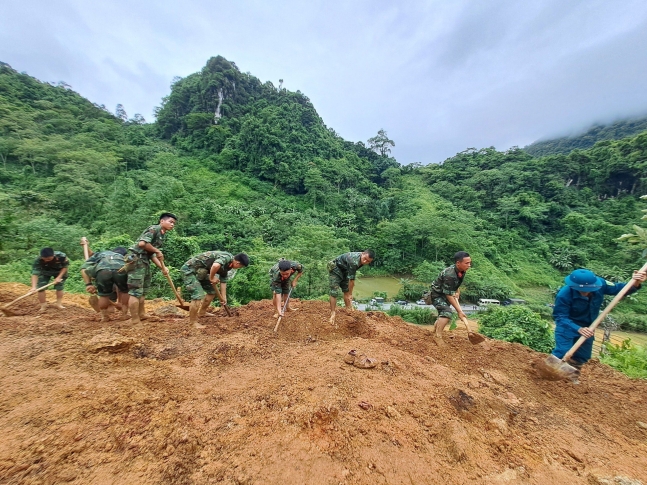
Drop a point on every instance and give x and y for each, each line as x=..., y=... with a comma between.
x=387, y=306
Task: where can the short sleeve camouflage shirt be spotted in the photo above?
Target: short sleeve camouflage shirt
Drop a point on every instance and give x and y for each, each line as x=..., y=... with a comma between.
x=447, y=282
x=104, y=260
x=59, y=262
x=208, y=259
x=152, y=235
x=349, y=263
x=275, y=274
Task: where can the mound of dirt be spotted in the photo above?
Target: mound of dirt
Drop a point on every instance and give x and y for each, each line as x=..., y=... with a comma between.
x=237, y=403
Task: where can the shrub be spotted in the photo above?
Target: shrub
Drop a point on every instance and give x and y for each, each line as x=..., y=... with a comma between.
x=632, y=322
x=420, y=316
x=628, y=358
x=517, y=323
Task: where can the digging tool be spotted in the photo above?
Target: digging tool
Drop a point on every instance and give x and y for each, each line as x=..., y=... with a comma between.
x=93, y=300
x=554, y=368
x=182, y=304
x=9, y=313
x=474, y=338
x=215, y=287
x=285, y=307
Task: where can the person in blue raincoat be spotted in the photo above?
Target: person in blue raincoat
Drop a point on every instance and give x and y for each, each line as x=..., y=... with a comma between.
x=577, y=305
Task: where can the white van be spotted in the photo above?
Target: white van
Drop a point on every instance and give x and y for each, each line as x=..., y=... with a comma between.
x=488, y=301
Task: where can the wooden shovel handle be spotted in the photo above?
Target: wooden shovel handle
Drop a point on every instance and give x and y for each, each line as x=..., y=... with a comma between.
x=603, y=315
x=219, y=295
x=84, y=243
x=29, y=293
x=170, y=282
x=285, y=306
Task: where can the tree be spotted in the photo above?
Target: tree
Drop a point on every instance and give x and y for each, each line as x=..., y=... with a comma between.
x=120, y=113
x=381, y=143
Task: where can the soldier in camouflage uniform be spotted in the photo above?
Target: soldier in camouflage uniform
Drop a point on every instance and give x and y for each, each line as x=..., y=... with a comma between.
x=101, y=275
x=280, y=275
x=445, y=292
x=138, y=261
x=50, y=264
x=202, y=272
x=341, y=274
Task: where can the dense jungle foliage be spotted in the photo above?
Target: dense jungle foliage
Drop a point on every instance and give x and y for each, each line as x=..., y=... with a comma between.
x=614, y=131
x=249, y=166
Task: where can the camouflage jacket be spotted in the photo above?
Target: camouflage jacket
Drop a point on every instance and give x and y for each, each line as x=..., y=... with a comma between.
x=104, y=260
x=208, y=259
x=152, y=235
x=447, y=282
x=275, y=274
x=59, y=262
x=347, y=264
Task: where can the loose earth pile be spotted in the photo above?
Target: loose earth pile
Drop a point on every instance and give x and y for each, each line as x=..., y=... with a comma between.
x=236, y=403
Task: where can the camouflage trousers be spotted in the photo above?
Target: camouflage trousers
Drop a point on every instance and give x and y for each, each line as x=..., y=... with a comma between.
x=107, y=279
x=139, y=277
x=197, y=288
x=45, y=276
x=443, y=306
x=337, y=280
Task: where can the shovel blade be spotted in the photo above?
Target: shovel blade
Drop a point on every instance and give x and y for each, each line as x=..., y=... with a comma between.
x=7, y=313
x=476, y=338
x=183, y=307
x=555, y=369
x=93, y=301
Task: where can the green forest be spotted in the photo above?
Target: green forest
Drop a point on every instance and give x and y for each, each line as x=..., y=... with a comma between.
x=249, y=166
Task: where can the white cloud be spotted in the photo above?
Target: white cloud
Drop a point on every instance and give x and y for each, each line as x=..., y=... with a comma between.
x=438, y=76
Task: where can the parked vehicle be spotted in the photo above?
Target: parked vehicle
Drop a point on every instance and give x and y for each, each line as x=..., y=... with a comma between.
x=514, y=301
x=488, y=301
x=420, y=302
x=401, y=302
x=377, y=300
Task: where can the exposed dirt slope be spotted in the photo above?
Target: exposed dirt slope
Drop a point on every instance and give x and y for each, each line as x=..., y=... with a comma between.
x=236, y=403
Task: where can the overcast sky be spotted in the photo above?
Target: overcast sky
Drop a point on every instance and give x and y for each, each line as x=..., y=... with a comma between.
x=438, y=76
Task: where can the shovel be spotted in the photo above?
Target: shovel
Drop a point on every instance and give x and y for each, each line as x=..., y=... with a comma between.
x=215, y=287
x=474, y=338
x=285, y=306
x=554, y=368
x=182, y=304
x=93, y=300
x=9, y=313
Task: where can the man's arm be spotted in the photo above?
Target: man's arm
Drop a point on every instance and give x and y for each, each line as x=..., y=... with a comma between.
x=157, y=262
x=215, y=267
x=453, y=301
x=89, y=287
x=296, y=278
x=34, y=281
x=223, y=292
x=351, y=285
x=561, y=312
x=149, y=248
x=60, y=275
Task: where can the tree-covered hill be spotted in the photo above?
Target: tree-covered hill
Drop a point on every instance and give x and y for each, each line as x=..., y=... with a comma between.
x=564, y=145
x=251, y=167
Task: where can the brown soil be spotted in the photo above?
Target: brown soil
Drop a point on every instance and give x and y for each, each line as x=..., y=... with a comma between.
x=237, y=403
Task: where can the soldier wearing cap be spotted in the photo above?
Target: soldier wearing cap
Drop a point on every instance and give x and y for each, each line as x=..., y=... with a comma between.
x=577, y=305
